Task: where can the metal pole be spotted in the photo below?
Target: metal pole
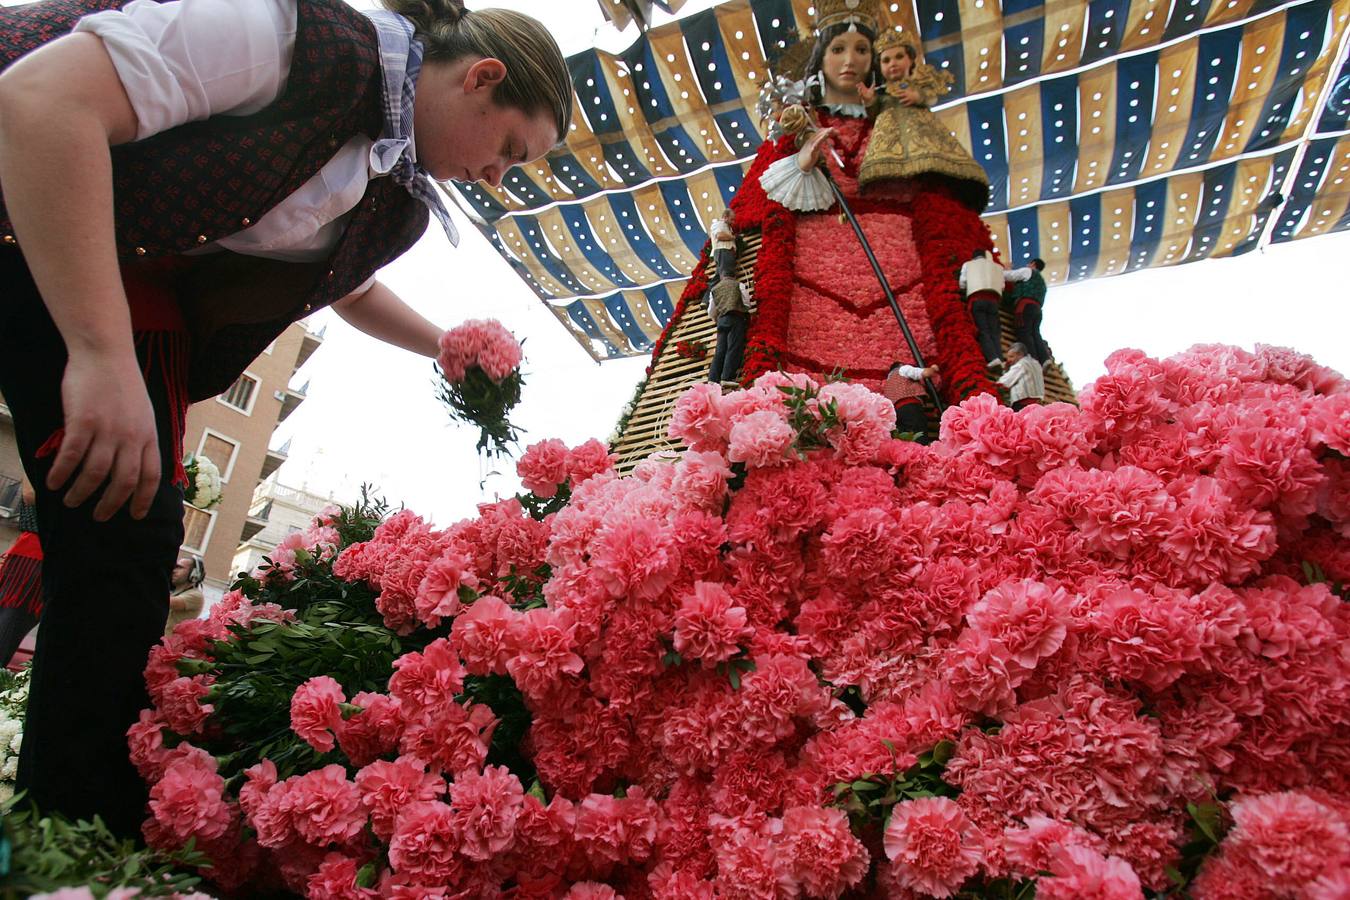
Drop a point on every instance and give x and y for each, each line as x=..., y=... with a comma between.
x=885, y=285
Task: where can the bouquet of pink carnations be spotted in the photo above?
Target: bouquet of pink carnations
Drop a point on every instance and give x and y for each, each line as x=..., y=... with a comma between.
x=1071, y=652
x=480, y=382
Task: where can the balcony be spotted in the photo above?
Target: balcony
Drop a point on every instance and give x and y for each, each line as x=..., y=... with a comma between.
x=273, y=460
x=254, y=522
x=311, y=341
x=291, y=398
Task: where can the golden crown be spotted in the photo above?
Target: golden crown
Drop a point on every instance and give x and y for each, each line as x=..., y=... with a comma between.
x=892, y=38
x=853, y=12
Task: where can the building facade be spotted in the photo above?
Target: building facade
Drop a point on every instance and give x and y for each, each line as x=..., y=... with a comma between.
x=234, y=430
x=281, y=511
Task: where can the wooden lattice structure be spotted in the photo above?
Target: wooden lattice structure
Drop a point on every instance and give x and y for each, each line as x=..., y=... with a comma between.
x=673, y=374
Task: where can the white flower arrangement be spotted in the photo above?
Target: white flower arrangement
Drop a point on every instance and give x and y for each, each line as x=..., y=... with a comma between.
x=203, y=476
x=13, y=703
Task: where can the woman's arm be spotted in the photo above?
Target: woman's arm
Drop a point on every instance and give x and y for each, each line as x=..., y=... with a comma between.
x=60, y=109
x=380, y=313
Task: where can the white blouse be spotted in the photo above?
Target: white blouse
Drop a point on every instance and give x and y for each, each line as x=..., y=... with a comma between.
x=187, y=60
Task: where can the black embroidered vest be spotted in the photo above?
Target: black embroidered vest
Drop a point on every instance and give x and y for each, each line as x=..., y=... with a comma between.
x=203, y=181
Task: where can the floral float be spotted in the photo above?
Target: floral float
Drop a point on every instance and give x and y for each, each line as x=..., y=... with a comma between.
x=1087, y=652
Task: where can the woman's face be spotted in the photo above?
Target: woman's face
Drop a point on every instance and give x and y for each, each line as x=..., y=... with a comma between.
x=847, y=60
x=895, y=64
x=462, y=134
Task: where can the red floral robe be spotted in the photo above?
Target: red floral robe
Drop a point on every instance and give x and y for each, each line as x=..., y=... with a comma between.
x=820, y=306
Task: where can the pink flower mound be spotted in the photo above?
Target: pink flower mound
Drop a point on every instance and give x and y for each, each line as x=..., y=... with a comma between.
x=709, y=626
x=932, y=846
x=728, y=672
x=316, y=713
x=478, y=342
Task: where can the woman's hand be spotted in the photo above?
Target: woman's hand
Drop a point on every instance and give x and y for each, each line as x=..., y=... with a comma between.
x=809, y=156
x=110, y=435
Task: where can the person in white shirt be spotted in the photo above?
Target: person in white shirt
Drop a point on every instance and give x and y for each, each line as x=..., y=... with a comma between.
x=722, y=233
x=181, y=181
x=982, y=280
x=1024, y=379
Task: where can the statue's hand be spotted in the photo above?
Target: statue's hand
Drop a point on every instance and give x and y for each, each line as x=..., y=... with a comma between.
x=909, y=97
x=809, y=156
x=867, y=94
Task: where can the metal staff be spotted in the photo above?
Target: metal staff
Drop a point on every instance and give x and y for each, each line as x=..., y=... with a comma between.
x=881, y=277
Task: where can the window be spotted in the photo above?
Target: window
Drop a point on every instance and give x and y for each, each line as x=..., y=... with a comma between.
x=241, y=394
x=220, y=450
x=196, y=528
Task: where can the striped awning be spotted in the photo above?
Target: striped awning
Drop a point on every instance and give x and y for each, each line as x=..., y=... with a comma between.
x=1117, y=134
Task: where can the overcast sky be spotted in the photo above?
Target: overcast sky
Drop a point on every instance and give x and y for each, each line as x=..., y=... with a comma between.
x=372, y=416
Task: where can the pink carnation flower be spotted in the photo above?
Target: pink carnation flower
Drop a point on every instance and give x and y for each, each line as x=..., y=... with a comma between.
x=545, y=652
x=438, y=594
x=336, y=880
x=588, y=460
x=543, y=467
x=323, y=806
x=932, y=846
x=710, y=626
x=1080, y=873
x=761, y=439
x=189, y=801
x=485, y=808
x=316, y=712
x=427, y=680
x=482, y=636
x=820, y=851
x=425, y=843
x=698, y=419
x=374, y=731
x=388, y=787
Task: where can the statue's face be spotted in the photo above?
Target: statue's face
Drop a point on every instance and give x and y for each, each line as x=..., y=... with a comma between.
x=895, y=64
x=847, y=60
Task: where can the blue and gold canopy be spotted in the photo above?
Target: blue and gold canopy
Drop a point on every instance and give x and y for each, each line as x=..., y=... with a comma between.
x=1117, y=134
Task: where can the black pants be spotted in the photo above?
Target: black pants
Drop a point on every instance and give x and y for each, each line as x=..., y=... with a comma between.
x=726, y=263
x=726, y=364
x=989, y=331
x=1029, y=332
x=106, y=588
x=912, y=418
x=14, y=627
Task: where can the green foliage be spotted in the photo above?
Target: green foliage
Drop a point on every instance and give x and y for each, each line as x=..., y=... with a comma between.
x=629, y=408
x=1313, y=574
x=259, y=670
x=480, y=401
x=50, y=852
x=338, y=632
x=1208, y=825
x=869, y=798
